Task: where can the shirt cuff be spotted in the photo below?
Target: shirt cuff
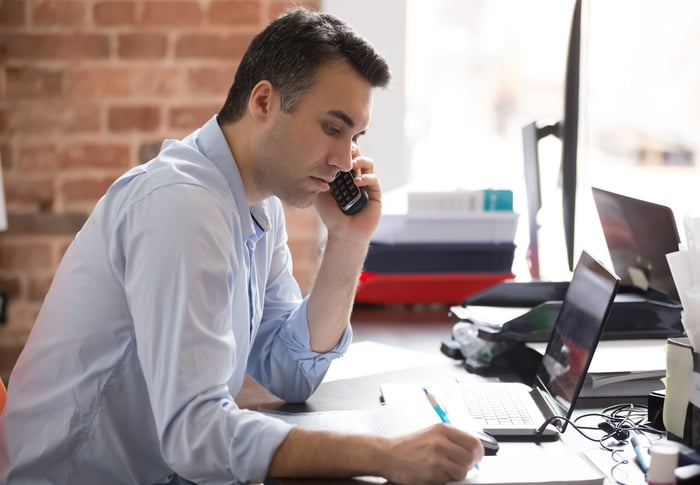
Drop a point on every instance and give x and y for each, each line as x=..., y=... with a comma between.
x=296, y=335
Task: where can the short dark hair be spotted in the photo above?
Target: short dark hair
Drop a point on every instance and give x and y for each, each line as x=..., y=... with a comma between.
x=289, y=51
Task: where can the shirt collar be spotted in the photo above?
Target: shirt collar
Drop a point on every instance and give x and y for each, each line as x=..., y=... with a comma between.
x=212, y=143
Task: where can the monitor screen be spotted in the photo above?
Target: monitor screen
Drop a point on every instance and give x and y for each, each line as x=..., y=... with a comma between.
x=639, y=234
x=577, y=330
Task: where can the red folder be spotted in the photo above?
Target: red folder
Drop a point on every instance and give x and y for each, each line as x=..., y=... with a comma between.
x=423, y=287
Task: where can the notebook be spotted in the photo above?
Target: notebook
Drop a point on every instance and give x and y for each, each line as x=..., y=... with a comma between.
x=638, y=234
x=559, y=378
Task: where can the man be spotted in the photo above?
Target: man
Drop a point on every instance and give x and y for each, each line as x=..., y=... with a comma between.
x=180, y=283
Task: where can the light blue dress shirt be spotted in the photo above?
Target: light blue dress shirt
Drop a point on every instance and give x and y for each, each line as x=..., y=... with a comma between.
x=170, y=293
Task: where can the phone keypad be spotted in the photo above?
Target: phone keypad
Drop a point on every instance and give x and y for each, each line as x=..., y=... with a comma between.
x=349, y=197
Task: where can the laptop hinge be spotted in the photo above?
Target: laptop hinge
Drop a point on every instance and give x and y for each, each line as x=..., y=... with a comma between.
x=548, y=405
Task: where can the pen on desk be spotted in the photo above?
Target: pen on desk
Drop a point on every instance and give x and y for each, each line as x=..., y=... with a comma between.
x=641, y=459
x=440, y=411
x=436, y=406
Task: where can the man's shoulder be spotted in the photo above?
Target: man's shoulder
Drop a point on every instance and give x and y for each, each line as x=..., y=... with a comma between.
x=178, y=163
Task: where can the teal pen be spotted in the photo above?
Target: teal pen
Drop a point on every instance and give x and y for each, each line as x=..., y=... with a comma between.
x=440, y=411
x=641, y=459
x=436, y=406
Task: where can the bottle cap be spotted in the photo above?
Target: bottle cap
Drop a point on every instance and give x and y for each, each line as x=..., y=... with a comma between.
x=663, y=463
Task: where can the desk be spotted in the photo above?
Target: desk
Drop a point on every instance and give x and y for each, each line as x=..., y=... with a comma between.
x=415, y=328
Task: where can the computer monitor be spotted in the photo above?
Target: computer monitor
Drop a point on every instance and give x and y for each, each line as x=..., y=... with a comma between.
x=567, y=131
x=639, y=234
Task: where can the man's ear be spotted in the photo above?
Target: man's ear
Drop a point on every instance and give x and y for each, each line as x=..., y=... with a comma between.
x=261, y=98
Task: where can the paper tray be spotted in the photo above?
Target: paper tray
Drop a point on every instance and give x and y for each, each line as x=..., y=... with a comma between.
x=407, y=258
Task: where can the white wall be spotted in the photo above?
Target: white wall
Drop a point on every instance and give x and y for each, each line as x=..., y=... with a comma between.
x=382, y=23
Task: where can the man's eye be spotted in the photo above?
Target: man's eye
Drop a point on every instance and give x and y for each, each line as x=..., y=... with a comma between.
x=331, y=130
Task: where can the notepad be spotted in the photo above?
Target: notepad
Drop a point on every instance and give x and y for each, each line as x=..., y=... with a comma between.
x=535, y=466
x=526, y=463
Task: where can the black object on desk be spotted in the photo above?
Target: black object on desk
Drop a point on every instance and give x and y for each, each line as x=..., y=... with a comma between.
x=490, y=443
x=635, y=314
x=519, y=294
x=638, y=234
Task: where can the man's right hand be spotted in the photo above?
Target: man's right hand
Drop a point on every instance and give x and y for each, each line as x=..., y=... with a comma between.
x=437, y=454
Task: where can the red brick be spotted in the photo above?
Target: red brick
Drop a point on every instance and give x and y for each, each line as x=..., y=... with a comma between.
x=12, y=13
x=142, y=46
x=38, y=287
x=129, y=118
x=12, y=284
x=114, y=13
x=191, y=117
x=68, y=46
x=84, y=190
x=74, y=156
x=304, y=243
x=21, y=315
x=38, y=158
x=58, y=13
x=25, y=254
x=63, y=116
x=31, y=82
x=157, y=80
x=10, y=344
x=212, y=46
x=63, y=247
x=45, y=223
x=171, y=13
x=109, y=156
x=277, y=7
x=7, y=156
x=148, y=151
x=210, y=80
x=28, y=192
x=235, y=12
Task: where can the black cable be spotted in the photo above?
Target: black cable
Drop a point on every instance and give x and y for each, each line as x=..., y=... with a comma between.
x=613, y=469
x=618, y=422
x=548, y=421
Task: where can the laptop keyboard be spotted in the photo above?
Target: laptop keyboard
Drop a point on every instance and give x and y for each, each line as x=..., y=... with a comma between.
x=495, y=406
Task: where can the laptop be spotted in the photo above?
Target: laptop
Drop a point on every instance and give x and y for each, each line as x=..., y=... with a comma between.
x=639, y=234
x=559, y=377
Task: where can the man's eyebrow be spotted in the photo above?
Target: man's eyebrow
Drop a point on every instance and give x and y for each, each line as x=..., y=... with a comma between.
x=343, y=117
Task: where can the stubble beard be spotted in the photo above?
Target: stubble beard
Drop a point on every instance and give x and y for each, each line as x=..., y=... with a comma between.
x=271, y=174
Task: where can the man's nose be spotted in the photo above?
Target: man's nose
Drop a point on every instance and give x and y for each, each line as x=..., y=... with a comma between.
x=342, y=159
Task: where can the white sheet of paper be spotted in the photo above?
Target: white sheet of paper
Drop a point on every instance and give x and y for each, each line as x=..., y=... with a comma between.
x=534, y=465
x=367, y=358
x=625, y=355
x=387, y=420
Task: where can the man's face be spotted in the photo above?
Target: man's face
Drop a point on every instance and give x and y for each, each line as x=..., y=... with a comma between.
x=302, y=151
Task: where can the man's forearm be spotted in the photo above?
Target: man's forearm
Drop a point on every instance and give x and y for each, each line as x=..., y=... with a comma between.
x=307, y=453
x=436, y=455
x=330, y=301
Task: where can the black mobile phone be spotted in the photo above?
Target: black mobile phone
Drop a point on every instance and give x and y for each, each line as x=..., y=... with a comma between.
x=350, y=198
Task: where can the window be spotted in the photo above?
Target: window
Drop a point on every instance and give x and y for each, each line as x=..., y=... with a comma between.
x=474, y=72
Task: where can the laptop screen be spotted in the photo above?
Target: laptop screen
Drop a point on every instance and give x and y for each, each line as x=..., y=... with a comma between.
x=576, y=332
x=638, y=234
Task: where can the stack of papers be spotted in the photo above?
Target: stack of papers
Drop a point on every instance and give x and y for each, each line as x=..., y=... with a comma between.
x=624, y=368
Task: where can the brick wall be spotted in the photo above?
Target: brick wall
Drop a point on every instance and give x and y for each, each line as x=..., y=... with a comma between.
x=89, y=88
